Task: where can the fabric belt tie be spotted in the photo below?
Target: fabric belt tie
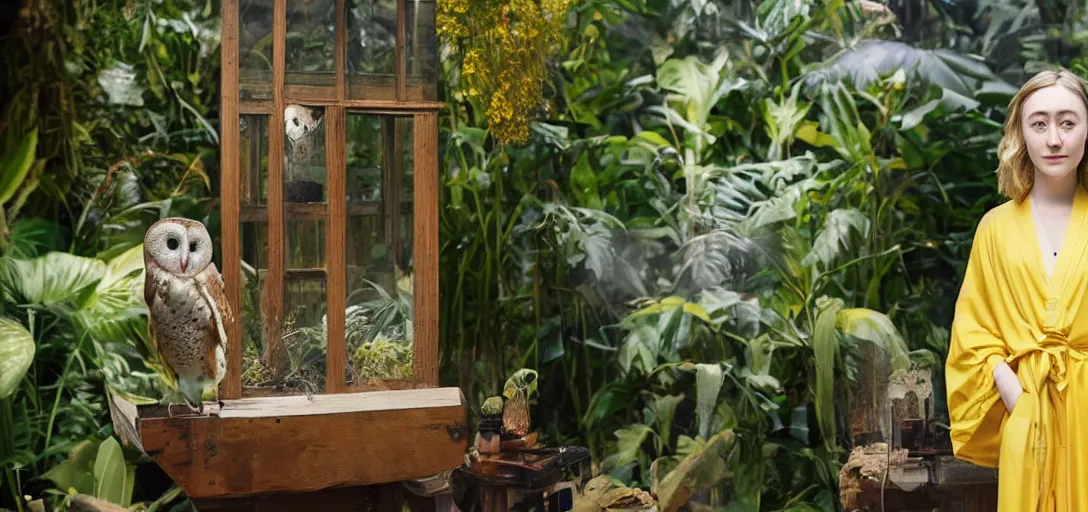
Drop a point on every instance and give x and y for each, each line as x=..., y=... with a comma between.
x=1046, y=366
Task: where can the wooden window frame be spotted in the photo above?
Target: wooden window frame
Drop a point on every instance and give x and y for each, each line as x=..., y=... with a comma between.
x=401, y=101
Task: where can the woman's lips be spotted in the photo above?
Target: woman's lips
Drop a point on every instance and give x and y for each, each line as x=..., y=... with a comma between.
x=1054, y=159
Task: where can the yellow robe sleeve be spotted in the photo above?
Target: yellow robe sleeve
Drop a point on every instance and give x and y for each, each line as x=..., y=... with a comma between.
x=974, y=405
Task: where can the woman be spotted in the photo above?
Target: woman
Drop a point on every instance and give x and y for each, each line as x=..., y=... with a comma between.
x=1017, y=369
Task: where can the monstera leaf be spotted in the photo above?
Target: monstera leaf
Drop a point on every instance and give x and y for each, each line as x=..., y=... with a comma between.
x=871, y=59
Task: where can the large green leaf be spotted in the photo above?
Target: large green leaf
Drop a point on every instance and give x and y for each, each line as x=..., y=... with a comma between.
x=629, y=443
x=115, y=309
x=661, y=411
x=950, y=101
x=825, y=347
x=76, y=472
x=834, y=236
x=876, y=328
x=781, y=120
x=16, y=355
x=640, y=349
x=31, y=237
x=114, y=478
x=779, y=16
x=708, y=383
x=868, y=61
x=54, y=278
x=713, y=259
x=15, y=165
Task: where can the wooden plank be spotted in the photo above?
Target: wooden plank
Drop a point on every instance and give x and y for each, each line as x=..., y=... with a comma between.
x=266, y=452
x=373, y=401
x=310, y=94
x=425, y=248
x=340, y=47
x=309, y=211
x=399, y=50
x=362, y=87
x=272, y=295
x=256, y=107
x=123, y=415
x=374, y=104
x=392, y=107
x=368, y=385
x=231, y=386
x=335, y=247
x=363, y=386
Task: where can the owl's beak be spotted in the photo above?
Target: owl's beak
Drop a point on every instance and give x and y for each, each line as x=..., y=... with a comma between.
x=184, y=260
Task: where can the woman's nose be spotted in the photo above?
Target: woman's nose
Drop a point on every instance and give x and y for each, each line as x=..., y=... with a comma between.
x=1053, y=138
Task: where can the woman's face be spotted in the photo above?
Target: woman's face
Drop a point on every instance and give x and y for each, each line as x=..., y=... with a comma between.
x=1055, y=126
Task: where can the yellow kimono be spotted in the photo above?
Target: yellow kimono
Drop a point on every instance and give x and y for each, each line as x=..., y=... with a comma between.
x=1009, y=310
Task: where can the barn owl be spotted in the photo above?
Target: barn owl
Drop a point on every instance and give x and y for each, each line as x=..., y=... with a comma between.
x=299, y=122
x=188, y=305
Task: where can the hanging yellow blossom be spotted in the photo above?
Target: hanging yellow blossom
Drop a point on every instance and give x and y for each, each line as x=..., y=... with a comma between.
x=505, y=47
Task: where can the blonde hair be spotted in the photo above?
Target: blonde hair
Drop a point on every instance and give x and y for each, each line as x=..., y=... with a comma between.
x=1015, y=172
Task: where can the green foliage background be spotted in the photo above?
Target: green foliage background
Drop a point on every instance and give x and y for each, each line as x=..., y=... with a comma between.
x=718, y=208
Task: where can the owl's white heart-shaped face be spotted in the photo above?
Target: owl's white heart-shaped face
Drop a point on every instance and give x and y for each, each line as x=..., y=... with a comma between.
x=180, y=246
x=298, y=121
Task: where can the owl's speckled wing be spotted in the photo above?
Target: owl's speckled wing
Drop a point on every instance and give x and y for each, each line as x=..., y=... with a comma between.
x=153, y=282
x=215, y=292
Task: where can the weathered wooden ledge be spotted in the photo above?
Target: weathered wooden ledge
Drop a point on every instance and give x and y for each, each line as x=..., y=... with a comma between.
x=300, y=444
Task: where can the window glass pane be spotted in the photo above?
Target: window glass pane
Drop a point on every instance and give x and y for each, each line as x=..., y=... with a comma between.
x=379, y=267
x=305, y=214
x=421, y=45
x=311, y=43
x=253, y=161
x=371, y=48
x=255, y=332
x=255, y=49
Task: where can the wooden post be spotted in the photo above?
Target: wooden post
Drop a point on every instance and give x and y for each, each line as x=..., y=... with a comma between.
x=425, y=248
x=231, y=387
x=336, y=242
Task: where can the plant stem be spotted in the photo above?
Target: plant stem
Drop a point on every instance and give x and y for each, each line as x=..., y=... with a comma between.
x=7, y=448
x=60, y=390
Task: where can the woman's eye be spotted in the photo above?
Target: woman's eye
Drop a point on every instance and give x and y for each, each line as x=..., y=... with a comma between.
x=172, y=244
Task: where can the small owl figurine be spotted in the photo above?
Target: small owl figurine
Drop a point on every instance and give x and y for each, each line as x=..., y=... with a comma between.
x=187, y=303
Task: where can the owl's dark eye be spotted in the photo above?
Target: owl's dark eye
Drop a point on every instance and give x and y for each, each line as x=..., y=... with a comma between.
x=172, y=243
x=192, y=246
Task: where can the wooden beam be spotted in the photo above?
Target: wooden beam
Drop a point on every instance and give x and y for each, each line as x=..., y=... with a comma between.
x=308, y=211
x=336, y=247
x=380, y=88
x=294, y=444
x=272, y=295
x=393, y=107
x=231, y=386
x=256, y=107
x=425, y=248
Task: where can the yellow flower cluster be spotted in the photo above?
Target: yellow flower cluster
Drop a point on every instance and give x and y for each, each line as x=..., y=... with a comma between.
x=505, y=47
